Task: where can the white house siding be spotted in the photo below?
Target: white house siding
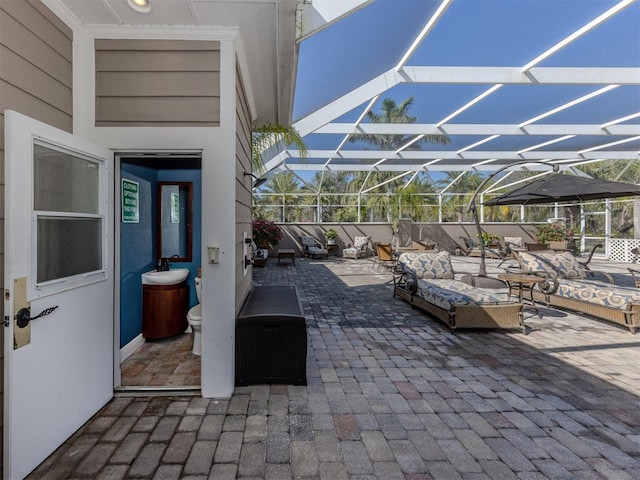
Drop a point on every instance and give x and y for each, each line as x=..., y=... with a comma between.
x=158, y=83
x=243, y=187
x=36, y=80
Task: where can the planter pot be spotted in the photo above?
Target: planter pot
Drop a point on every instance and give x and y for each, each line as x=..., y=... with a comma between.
x=331, y=242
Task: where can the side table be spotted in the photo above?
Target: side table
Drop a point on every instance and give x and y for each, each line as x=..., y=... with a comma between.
x=332, y=250
x=523, y=283
x=287, y=253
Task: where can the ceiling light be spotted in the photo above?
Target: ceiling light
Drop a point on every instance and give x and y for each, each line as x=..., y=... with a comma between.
x=140, y=6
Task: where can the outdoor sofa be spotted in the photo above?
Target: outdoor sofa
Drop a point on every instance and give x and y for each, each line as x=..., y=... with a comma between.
x=427, y=281
x=577, y=292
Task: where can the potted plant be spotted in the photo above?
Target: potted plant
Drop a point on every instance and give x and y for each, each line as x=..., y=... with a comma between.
x=331, y=235
x=266, y=233
x=490, y=238
x=551, y=232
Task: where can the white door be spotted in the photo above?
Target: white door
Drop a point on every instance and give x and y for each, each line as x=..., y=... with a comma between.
x=59, y=253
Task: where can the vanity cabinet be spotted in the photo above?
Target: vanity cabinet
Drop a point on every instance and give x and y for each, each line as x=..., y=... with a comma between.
x=164, y=310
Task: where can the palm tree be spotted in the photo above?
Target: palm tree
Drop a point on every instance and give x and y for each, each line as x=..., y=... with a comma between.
x=283, y=184
x=394, y=193
x=455, y=206
x=336, y=207
x=394, y=113
x=269, y=139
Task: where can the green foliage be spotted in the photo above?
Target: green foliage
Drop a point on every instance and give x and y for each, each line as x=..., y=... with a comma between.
x=551, y=232
x=269, y=138
x=266, y=233
x=490, y=238
x=391, y=112
x=331, y=234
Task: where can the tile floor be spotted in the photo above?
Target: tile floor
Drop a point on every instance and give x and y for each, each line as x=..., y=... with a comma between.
x=163, y=363
x=391, y=395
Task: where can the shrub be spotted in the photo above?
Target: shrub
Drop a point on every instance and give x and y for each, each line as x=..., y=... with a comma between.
x=551, y=232
x=266, y=233
x=331, y=234
x=490, y=238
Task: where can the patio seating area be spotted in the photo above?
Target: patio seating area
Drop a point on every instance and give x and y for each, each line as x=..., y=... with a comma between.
x=392, y=394
x=428, y=282
x=596, y=295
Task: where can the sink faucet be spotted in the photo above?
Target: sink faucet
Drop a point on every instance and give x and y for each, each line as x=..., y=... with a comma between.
x=163, y=265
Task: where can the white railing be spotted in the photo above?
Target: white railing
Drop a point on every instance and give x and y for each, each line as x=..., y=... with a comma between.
x=620, y=250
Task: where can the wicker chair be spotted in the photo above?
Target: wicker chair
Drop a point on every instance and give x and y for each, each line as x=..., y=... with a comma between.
x=385, y=255
x=359, y=248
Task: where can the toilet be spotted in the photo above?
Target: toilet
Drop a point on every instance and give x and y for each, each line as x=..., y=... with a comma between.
x=194, y=317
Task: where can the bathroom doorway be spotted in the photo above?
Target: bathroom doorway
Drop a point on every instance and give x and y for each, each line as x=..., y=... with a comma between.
x=155, y=362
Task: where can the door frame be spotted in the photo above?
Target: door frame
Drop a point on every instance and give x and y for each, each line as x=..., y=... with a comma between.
x=119, y=154
x=117, y=205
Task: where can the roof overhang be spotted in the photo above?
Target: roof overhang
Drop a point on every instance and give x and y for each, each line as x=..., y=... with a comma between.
x=267, y=29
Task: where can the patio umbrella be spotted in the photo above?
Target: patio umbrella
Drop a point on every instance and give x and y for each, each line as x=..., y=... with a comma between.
x=552, y=188
x=564, y=188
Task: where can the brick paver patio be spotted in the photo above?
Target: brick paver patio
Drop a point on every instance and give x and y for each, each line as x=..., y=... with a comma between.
x=391, y=394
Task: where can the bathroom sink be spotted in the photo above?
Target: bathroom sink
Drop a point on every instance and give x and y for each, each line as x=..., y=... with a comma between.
x=168, y=277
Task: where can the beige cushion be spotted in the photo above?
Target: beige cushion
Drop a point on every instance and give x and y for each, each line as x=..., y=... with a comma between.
x=427, y=264
x=563, y=264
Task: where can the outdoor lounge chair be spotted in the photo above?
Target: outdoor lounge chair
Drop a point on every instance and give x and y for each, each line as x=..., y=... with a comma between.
x=585, y=263
x=473, y=249
x=358, y=249
x=511, y=245
x=424, y=245
x=312, y=248
x=427, y=281
x=574, y=291
x=635, y=274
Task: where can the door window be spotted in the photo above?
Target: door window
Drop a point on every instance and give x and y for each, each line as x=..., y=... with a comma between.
x=69, y=219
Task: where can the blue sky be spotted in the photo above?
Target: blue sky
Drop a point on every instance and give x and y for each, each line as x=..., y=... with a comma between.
x=472, y=32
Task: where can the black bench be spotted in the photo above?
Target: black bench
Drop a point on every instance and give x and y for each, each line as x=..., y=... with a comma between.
x=271, y=338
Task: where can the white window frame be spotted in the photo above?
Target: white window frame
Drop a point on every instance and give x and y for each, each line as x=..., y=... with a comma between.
x=43, y=289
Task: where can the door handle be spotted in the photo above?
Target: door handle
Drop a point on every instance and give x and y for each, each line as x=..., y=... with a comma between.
x=23, y=316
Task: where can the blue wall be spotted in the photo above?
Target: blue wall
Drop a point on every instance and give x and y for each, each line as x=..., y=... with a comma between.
x=138, y=242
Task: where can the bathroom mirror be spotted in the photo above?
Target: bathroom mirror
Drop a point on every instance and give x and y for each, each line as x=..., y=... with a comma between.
x=175, y=226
